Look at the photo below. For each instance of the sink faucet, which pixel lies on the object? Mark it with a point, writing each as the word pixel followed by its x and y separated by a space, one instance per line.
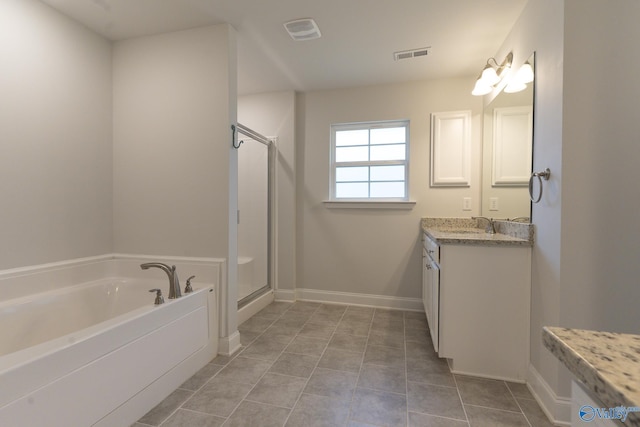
pixel 174 283
pixel 520 219
pixel 491 228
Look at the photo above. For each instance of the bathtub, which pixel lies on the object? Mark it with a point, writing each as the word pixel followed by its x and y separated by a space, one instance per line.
pixel 245 276
pixel 100 352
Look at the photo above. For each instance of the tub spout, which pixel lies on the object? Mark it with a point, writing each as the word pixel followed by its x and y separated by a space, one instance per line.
pixel 174 283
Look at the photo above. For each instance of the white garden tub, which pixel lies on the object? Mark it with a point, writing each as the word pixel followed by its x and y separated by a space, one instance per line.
pixel 99 353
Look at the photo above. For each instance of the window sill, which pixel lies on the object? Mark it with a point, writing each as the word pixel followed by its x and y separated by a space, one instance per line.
pixel 369 204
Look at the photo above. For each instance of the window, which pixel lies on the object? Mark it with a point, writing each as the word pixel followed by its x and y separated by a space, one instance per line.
pixel 370 161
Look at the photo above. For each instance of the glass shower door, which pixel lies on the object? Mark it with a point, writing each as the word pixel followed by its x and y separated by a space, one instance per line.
pixel 253 220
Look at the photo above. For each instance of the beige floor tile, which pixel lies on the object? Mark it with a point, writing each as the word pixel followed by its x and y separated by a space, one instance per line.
pixel 311 346
pixel 277 390
pixel 385 356
pixel 385 378
pixel 533 413
pixel 341 360
pixel 435 400
pixel 423 420
pixel 354 327
pixel 165 408
pixel 379 408
pixel 319 411
pixel 218 398
pixel 487 417
pixel 183 417
pixel 254 413
pixel 484 392
pixel 244 370
pixel 330 383
pixel 386 339
pixel 318 330
pixel 353 343
pixel 311 364
pixel 201 377
pixel 297 365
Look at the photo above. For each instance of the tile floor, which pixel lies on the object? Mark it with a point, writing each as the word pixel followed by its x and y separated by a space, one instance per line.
pixel 311 364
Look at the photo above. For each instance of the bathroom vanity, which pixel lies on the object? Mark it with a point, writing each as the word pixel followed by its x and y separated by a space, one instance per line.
pixel 476 292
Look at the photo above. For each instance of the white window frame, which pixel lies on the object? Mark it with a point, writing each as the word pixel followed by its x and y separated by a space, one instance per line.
pixel 373 201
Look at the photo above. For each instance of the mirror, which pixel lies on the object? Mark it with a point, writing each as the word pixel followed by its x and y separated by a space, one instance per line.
pixel 507 147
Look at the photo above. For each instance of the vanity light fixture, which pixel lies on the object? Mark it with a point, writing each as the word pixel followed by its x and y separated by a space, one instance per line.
pixel 491 75
pixel 519 81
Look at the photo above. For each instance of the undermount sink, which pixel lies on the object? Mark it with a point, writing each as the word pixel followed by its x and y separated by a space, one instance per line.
pixel 466 231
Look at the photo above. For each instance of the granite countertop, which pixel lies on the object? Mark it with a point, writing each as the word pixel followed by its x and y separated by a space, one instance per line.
pixel 465 231
pixel 607 363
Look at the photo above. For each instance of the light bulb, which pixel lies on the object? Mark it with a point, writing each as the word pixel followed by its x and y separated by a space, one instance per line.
pixel 481 88
pixel 515 86
pixel 489 75
pixel 525 73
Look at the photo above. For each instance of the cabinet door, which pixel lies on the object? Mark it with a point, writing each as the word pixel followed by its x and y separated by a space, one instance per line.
pixel 434 321
pixel 430 295
pixel 426 284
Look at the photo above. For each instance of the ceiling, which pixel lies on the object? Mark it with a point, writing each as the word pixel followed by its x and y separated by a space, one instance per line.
pixel 357 43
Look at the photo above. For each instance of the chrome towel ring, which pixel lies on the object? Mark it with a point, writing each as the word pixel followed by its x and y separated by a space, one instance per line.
pixel 544 174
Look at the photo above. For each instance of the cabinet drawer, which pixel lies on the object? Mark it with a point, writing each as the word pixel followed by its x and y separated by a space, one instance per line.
pixel 432 248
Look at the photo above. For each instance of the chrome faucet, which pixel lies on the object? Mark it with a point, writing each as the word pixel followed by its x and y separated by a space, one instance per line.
pixel 491 227
pixel 520 219
pixel 174 283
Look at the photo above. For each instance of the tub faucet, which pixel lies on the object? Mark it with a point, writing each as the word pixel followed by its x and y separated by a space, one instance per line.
pixel 491 227
pixel 174 283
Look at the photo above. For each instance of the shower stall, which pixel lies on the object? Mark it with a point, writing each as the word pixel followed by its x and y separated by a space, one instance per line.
pixel 255 194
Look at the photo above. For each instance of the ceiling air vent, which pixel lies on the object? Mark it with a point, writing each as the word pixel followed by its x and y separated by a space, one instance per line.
pixel 414 53
pixel 303 29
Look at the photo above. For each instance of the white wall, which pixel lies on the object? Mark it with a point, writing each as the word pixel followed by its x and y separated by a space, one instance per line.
pixel 55 137
pixel 585 264
pixel 374 251
pixel 601 167
pixel 175 173
pixel 540 29
pixel 172 143
pixel 273 115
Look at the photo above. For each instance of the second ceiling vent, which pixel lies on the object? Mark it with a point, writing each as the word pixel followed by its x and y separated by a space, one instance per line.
pixel 303 29
pixel 413 53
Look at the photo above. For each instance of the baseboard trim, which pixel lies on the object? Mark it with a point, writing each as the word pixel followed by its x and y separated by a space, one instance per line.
pixel 557 409
pixel 286 295
pixel 367 300
pixel 229 345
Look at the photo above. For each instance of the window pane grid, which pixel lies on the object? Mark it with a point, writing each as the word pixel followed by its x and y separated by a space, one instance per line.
pixel 370 190
pixel 370 161
pixel 374 173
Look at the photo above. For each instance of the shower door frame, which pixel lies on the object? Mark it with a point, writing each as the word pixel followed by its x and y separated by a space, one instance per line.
pixel 270 143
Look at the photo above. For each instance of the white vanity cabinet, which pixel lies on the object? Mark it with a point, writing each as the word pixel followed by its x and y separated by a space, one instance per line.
pixel 480 310
pixel 431 287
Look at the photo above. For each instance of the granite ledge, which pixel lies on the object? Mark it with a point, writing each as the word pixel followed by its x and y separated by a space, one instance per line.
pixel 461 231
pixel 607 363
